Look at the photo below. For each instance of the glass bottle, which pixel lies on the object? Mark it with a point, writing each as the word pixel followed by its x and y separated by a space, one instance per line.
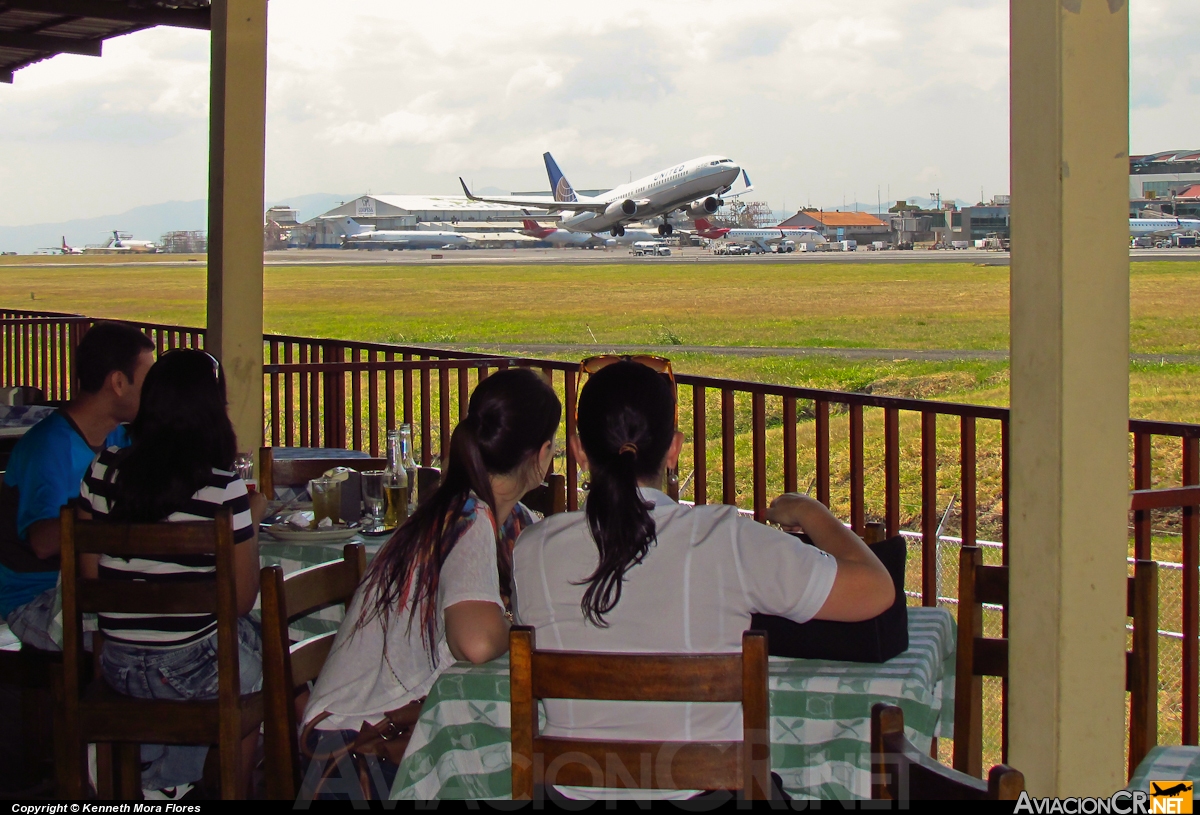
pixel 408 462
pixel 395 484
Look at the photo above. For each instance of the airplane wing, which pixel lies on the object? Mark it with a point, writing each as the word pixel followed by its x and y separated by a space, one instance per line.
pixel 583 205
pixel 749 187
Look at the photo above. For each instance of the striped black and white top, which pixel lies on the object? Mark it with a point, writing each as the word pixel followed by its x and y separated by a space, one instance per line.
pixel 224 489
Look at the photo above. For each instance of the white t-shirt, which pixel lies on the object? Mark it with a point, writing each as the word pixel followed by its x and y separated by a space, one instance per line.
pixel 357 683
pixel 693 593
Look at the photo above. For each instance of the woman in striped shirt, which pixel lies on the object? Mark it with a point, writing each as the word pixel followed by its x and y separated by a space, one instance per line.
pixel 178 468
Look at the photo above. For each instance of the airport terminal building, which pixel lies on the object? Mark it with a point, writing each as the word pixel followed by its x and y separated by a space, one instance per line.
pixel 442 212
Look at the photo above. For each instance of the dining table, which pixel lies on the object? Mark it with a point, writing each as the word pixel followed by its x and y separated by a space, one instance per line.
pixel 820 719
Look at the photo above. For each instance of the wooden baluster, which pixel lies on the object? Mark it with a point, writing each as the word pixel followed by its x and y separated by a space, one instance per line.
pixel 858 520
pixel 288 406
pixel 406 381
pixel 891 470
pixel 758 441
pixel 789 444
pixel 373 402
pixel 967 463
pixel 302 402
pixel 426 418
pixel 443 412
pixel 274 385
pixel 356 375
pixel 1142 535
pixel 1005 458
pixel 929 516
pixel 570 391
pixel 728 454
pixel 389 394
pixel 821 428
pixel 464 391
pixel 1191 594
pixel 699 445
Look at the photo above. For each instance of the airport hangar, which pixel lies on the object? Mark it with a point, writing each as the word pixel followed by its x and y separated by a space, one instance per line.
pixel 437 212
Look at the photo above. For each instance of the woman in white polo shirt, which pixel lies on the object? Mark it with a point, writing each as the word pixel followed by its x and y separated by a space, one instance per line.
pixel 636 572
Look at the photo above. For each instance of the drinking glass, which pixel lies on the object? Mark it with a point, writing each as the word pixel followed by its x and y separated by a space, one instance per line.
pixel 327 499
pixel 243 465
pixel 372 485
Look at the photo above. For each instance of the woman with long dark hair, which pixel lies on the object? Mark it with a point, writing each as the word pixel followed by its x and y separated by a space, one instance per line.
pixel 637 572
pixel 438 590
pixel 179 467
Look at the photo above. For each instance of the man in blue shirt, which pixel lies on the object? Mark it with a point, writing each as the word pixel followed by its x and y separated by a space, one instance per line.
pixel 48 464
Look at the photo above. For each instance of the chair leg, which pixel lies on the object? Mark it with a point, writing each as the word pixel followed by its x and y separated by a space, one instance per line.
pixel 70 751
pixel 129 771
pixel 104 772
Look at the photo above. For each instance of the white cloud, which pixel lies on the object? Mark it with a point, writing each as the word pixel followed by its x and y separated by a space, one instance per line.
pixel 820 100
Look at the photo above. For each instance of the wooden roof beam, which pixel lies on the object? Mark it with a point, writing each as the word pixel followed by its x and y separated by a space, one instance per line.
pixel 120 12
pixel 43 42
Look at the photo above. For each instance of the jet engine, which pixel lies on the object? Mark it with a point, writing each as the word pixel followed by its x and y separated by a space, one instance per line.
pixel 704 207
pixel 626 208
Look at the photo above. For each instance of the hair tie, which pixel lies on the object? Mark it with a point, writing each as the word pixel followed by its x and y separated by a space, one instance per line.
pixel 628 447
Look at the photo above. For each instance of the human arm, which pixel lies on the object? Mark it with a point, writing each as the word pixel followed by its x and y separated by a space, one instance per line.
pixel 862 588
pixel 44 538
pixel 246 566
pixel 476 630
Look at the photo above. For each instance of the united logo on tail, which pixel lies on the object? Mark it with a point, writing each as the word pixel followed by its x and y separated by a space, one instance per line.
pixel 558 182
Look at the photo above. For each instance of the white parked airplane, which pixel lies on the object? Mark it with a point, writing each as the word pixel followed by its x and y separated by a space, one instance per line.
pixel 762 238
pixel 358 236
pixel 1162 226
pixel 119 244
pixel 694 187
pixel 565 237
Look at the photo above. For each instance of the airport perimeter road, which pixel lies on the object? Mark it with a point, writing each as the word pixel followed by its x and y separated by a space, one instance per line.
pixel 891 354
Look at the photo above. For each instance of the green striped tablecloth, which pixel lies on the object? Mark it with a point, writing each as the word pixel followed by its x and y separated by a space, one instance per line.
pixel 820 720
pixel 1166 762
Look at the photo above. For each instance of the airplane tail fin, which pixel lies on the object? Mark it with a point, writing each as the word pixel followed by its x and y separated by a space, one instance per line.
pixel 65 248
pixel 703 224
pixel 353 227
pixel 558 182
pixel 529 224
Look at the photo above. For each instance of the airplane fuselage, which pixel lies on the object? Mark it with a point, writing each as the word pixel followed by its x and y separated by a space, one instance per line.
pixel 1162 226
pixel 658 194
pixel 404 239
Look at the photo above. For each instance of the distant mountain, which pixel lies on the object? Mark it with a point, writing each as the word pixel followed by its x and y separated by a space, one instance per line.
pixel 148 223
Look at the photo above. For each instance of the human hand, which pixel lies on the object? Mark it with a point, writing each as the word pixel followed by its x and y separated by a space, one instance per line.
pixel 258 506
pixel 788 511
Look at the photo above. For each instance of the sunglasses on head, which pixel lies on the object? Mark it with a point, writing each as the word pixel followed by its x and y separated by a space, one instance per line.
pixel 216 366
pixel 660 365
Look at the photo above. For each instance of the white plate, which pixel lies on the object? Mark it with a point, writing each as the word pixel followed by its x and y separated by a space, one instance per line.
pixel 286 532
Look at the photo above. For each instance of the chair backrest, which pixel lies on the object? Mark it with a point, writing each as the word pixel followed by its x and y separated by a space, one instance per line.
pixel 731 765
pixel 901 772
pixel 294 472
pixel 288 665
pixel 207 593
pixel 979 656
pixel 549 497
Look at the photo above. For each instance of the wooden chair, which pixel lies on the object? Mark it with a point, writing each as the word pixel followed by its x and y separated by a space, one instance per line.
pixel 731 765
pixel 295 472
pixel 548 498
pixel 901 772
pixel 287 665
pixel 980 656
pixel 94 712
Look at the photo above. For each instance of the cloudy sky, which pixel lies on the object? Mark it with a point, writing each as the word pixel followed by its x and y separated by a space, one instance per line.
pixel 822 100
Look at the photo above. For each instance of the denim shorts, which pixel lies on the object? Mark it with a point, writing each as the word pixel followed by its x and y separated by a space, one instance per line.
pixel 188 673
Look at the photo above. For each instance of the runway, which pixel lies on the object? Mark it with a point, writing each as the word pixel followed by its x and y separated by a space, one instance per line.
pixel 571 257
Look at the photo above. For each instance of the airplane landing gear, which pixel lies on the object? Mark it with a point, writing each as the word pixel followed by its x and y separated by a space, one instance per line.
pixel 618 231
pixel 665 230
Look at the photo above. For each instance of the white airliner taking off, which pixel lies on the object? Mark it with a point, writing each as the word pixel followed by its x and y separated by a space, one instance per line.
pixel 694 187
pixel 1162 226
pixel 119 244
pixel 357 236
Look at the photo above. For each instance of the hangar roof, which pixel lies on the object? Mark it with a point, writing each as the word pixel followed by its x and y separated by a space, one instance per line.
pixel 34 30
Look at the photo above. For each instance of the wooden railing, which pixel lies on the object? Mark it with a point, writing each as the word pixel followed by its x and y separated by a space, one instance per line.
pixel 744 443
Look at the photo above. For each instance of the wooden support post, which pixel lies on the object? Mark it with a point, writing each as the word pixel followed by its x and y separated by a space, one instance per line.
pixel 237 121
pixel 1070 393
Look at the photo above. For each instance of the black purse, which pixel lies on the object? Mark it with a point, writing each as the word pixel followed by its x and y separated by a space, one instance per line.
pixel 875 640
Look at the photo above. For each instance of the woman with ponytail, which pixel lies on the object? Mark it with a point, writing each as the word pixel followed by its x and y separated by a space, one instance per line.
pixel 637 572
pixel 438 590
